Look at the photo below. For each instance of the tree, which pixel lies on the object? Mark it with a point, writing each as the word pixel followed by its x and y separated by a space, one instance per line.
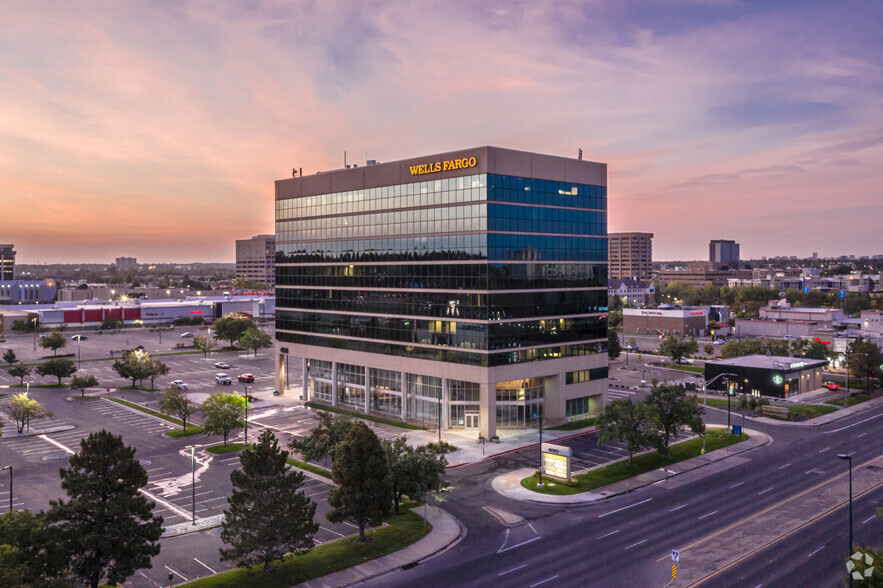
pixel 23 408
pixel 614 349
pixel 363 494
pixel 82 382
pixel 137 365
pixel 231 328
pixel 221 413
pixel 60 368
pixel 413 473
pixel 109 324
pixel 19 371
pixel 255 339
pixel 324 438
pixel 740 348
pixel 865 361
pixel 677 348
pixel 630 423
pixel 9 357
pixel 54 341
pixel 708 349
pixel 108 526
pixel 30 555
pixel 154 368
pixel 811 349
pixel 203 343
pixel 268 514
pixel 175 402
pixel 674 411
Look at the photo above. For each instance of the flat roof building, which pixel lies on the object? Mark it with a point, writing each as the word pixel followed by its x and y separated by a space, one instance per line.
pixel 763 375
pixel 469 285
pixel 256 259
pixel 630 256
pixel 723 254
pixel 7 262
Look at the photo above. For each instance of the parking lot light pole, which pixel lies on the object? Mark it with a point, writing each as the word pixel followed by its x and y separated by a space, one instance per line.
pixel 193 480
pixel 848 457
pixel 9 467
pixel 34 320
pixel 246 416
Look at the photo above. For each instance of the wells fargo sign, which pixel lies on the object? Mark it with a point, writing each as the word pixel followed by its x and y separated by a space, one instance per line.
pixel 439 166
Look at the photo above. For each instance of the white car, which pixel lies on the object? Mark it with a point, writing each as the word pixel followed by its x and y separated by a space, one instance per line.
pixel 223 379
pixel 718 341
pixel 222 365
pixel 186 335
pixel 180 384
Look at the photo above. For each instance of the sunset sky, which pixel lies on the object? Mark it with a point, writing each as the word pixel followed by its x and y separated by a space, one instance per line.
pixel 156 129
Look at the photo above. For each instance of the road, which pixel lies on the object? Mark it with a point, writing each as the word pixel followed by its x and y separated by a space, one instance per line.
pixel 625 541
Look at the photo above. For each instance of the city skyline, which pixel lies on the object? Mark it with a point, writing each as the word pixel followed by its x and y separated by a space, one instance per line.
pixel 157 130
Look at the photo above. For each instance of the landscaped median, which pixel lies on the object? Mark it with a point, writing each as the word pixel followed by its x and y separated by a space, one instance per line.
pixel 398 532
pixel 363 416
pixel 191 429
pixel 641 464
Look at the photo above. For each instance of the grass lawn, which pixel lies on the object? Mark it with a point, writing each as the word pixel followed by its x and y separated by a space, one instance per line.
pixel 188 432
pixel 309 467
pixel 401 531
pixel 696 369
pixel 853 399
pixel 141 388
pixel 84 398
pixel 716 401
pixel 621 470
pixel 367 417
pixel 160 415
pixel 229 448
pixel 811 410
pixel 574 425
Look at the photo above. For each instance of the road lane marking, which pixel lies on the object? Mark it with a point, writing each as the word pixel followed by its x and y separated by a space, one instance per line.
pixel 205 566
pixel 764 491
pixel 736 485
pixel 532 529
pixel 544 581
pixel 176 573
pixel 869 519
pixel 519 545
pixel 816 551
pixel 707 515
pixel 824 450
pixel 623 508
pixel 854 424
pixel 810 471
pixel 617 531
pixel 678 507
pixel 862 435
pixel 512 570
pixel 784 466
pixel 636 544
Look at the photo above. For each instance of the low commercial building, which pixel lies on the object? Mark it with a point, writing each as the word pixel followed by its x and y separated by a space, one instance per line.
pixel 779 319
pixel 762 375
pixel 27 291
pixel 691 321
pixel 632 292
pixel 699 273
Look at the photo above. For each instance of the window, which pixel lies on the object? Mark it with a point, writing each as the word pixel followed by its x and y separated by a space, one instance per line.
pixel 576 406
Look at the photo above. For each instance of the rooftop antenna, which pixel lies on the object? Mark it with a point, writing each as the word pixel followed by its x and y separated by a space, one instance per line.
pixel 294 172
pixel 580 154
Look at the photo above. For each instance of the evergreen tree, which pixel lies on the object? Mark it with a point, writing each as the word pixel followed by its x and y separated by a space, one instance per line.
pixel 324 438
pixel 108 526
pixel 363 494
pixel 9 357
pixel 268 515
pixel 30 555
pixel 614 349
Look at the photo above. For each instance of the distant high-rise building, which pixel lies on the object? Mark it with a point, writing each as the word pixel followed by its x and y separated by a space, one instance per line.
pixel 723 254
pixel 256 259
pixel 630 256
pixel 125 262
pixel 7 262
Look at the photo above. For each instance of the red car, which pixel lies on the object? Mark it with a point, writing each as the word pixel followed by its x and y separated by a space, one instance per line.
pixel 247 378
pixel 832 386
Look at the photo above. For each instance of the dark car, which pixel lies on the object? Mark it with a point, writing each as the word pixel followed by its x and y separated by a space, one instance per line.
pixel 79 338
pixel 247 378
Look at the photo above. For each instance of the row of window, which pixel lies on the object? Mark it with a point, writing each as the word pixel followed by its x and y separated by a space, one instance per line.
pixel 492 336
pixel 600 373
pixel 459 276
pixel 448 355
pixel 493 246
pixel 472 188
pixel 449 305
pixel 576 406
pixel 520 390
pixel 446 219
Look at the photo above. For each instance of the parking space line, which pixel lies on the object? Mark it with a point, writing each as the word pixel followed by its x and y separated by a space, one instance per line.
pixel 176 573
pixel 205 566
pixel 332 531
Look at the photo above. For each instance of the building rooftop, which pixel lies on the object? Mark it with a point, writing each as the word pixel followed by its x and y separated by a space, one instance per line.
pixel 772 362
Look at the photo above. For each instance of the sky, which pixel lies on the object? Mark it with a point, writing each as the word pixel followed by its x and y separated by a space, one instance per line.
pixel 156 129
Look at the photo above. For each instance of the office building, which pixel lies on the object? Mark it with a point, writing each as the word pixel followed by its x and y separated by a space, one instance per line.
pixel 256 259
pixel 7 262
pixel 630 256
pixel 723 255
pixel 125 262
pixel 467 288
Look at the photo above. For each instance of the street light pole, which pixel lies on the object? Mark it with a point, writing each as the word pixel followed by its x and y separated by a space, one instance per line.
pixel 193 480
pixel 246 416
pixel 9 467
pixel 541 446
pixel 34 320
pixel 849 458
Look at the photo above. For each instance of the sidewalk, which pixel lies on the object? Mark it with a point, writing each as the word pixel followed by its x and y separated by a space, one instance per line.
pixel 446 531
pixel 819 420
pixel 509 484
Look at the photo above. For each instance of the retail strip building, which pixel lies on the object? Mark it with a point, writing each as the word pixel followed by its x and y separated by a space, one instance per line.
pixel 469 287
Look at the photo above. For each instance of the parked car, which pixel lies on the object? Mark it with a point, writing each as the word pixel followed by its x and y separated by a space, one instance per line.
pixel 44 335
pixel 186 335
pixel 180 384
pixel 223 379
pixel 832 386
pixel 79 338
pixel 222 365
pixel 247 378
pixel 719 341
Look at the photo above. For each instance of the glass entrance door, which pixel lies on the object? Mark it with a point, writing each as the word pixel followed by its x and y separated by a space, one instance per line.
pixel 472 420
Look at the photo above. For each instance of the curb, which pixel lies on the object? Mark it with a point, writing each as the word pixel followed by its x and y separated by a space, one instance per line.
pixel 493 455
